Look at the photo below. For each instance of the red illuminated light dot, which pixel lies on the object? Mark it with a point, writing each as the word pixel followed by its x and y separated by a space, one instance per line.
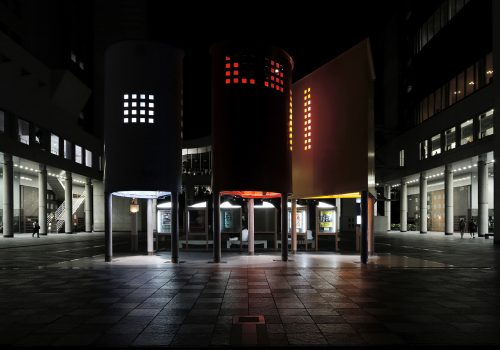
pixel 281 89
pixel 228 73
pixel 281 74
pixel 272 63
pixel 277 87
pixel 235 80
pixel 272 78
pixel 277 65
pixel 235 72
pixel 228 58
pixel 236 65
pixel 228 65
pixel 272 86
pixel 243 80
pixel 228 81
pixel 266 84
pixel 252 81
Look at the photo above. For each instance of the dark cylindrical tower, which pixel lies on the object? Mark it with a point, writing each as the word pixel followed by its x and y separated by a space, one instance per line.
pixel 250 118
pixel 251 86
pixel 142 129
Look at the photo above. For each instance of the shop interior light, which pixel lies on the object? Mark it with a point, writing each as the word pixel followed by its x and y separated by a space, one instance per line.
pixel 134 207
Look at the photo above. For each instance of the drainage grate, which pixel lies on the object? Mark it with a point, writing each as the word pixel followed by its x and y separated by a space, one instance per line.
pixel 259 319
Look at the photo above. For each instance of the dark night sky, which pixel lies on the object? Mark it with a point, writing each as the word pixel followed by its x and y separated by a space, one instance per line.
pixel 310 33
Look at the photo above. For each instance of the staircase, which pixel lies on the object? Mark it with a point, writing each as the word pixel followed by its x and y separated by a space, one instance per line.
pixel 57 218
pixel 57 186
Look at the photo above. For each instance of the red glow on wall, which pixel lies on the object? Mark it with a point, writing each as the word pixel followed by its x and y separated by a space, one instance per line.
pixel 251 194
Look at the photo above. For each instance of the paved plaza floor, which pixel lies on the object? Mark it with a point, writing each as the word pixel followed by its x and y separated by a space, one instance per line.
pixel 417 290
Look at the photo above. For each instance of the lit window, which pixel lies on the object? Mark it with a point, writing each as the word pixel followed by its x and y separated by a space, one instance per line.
pixel 252 81
pixel 125 104
pixel 402 158
pixel 143 97
pixel 88 158
pixel 134 112
pixel 486 124
pixel 142 120
pixel 125 120
pixel 151 97
pixel 78 154
pixel 307 119
pixel 243 80
pixel 134 120
pixel 151 120
pixel 23 131
pixel 228 81
pixel 134 103
pixel 466 132
pixel 450 140
pixel 125 97
pixel 142 112
pixel 143 104
pixel 436 145
pixel 125 112
pixel 54 144
pixel 134 96
pixel 67 149
pixel 151 113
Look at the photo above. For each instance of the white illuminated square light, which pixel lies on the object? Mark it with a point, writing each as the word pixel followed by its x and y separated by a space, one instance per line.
pixel 151 105
pixel 151 113
pixel 125 112
pixel 125 120
pixel 134 112
pixel 125 96
pixel 134 104
pixel 142 112
pixel 125 104
pixel 134 120
pixel 134 96
pixel 143 97
pixel 151 120
pixel 143 104
pixel 142 120
pixel 151 97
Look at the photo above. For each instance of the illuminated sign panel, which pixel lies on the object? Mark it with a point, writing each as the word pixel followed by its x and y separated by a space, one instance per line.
pixel 138 108
pixel 307 119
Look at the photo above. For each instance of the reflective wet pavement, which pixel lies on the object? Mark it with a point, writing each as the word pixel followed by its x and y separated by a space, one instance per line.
pixel 420 290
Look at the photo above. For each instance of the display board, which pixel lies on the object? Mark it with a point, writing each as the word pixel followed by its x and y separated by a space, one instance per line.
pixel 230 219
pixel 164 221
pixel 326 220
pixel 197 219
pixel 265 220
pixel 300 220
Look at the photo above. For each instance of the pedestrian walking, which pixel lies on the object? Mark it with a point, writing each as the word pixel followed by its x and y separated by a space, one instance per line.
pixel 36 229
pixel 461 225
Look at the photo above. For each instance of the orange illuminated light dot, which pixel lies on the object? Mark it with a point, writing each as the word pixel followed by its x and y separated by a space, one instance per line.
pixel 252 81
pixel 272 78
pixel 309 147
pixel 235 80
pixel 272 86
pixel 228 81
pixel 235 72
pixel 305 148
pixel 243 80
pixel 236 65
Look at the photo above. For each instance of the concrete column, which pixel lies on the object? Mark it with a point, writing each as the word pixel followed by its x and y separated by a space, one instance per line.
pixel 150 226
pixel 88 205
pixel 134 237
pixel 216 221
pixel 42 198
pixel 293 230
pixel 155 211
pixel 251 227
pixel 423 202
pixel 68 203
pixel 284 227
pixel 448 199
pixel 482 195
pixel 403 206
pixel 175 228
pixel 495 14
pixel 387 205
pixel 108 227
pixel 364 227
pixel 8 196
pixel 375 208
pixel 98 205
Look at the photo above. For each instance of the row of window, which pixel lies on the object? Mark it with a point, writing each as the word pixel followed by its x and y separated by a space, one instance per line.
pixel 448 140
pixel 468 81
pixel 440 17
pixel 31 134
